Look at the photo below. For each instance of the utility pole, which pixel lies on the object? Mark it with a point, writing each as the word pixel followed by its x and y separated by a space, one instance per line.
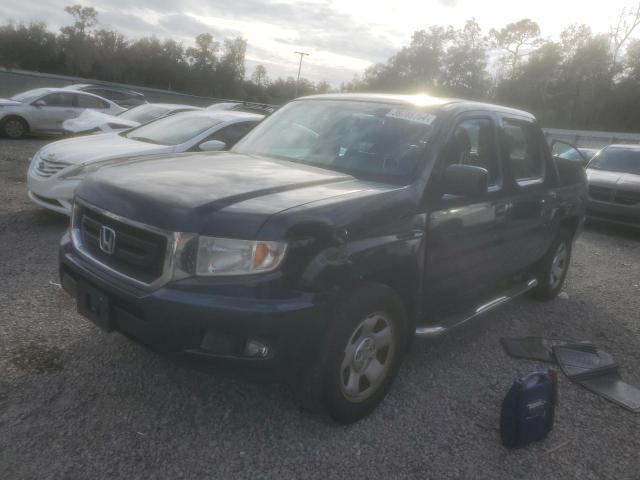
pixel 302 54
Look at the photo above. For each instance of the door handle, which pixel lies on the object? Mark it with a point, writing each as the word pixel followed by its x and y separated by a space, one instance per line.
pixel 502 209
pixel 70 110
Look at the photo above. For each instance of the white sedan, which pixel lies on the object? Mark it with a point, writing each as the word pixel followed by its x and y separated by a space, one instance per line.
pixel 43 110
pixel 57 168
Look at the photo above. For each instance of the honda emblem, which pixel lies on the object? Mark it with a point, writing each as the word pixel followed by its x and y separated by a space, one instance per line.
pixel 107 239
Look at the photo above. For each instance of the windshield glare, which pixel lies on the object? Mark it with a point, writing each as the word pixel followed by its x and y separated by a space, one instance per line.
pixel 144 113
pixel 375 140
pixel 625 160
pixel 29 95
pixel 172 130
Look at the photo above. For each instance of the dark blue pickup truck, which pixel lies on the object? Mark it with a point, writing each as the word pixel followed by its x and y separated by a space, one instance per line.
pixel 325 241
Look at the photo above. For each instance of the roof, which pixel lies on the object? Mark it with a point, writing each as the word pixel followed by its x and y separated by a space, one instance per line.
pixel 627 146
pixel 225 115
pixel 417 101
pixel 80 86
pixel 170 106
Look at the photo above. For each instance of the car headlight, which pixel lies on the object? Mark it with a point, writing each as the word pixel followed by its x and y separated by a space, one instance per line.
pixel 226 256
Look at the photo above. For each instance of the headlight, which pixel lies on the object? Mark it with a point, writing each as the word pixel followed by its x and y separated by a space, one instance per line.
pixel 225 256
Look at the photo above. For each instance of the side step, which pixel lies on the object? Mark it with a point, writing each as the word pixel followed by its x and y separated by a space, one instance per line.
pixel 431 331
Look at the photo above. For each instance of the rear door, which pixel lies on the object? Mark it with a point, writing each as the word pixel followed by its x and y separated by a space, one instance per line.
pixel 530 194
pixel 83 102
pixel 465 238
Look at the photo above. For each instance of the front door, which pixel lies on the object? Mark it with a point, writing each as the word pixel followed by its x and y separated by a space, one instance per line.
pixel 50 111
pixel 465 237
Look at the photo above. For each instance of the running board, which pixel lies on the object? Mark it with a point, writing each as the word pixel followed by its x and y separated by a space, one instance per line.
pixel 431 331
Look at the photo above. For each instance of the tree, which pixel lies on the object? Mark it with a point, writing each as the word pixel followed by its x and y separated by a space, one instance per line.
pixel 84 18
pixel 517 40
pixel 464 67
pixel 259 76
pixel 205 54
pixel 628 21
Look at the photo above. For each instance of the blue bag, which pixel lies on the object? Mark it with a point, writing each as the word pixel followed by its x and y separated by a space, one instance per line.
pixel 528 409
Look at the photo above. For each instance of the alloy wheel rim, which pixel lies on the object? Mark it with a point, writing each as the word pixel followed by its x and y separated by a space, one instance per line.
pixel 558 265
pixel 367 357
pixel 14 128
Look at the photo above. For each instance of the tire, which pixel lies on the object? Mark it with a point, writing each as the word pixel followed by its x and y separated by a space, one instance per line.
pixel 554 267
pixel 361 355
pixel 14 127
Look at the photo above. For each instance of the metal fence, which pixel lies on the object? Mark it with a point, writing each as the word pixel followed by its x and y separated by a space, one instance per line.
pixel 16 81
pixel 590 139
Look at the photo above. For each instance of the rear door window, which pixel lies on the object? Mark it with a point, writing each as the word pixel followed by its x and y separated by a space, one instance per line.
pixel 59 99
pixel 87 101
pixel 522 151
pixel 233 133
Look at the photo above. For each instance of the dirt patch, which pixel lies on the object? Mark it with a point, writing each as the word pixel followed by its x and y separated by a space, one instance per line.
pixel 37 358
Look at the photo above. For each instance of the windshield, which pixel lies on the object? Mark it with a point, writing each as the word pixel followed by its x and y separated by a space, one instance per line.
pixel 172 130
pixel 144 113
pixel 626 160
pixel 374 140
pixel 29 95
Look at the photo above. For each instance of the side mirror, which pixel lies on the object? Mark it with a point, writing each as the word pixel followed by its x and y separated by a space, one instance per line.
pixel 466 180
pixel 39 103
pixel 212 146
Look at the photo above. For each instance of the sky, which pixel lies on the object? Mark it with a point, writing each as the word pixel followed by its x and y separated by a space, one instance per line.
pixel 342 37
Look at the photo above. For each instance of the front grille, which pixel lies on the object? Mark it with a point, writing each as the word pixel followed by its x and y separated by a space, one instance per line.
pixel 138 253
pixel 602 194
pixel 47 168
pixel 610 195
pixel 627 197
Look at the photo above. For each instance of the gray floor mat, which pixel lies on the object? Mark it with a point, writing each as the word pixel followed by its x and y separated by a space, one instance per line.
pixel 597 371
pixel 534 348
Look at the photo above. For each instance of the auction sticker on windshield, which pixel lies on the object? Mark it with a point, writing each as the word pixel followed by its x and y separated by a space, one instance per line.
pixel 411 115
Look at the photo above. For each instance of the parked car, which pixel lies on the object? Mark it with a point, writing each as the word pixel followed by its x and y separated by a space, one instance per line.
pixel 614 185
pixel 250 107
pixel 332 235
pixel 57 168
pixel 568 151
pixel 91 121
pixel 588 153
pixel 43 110
pixel 125 97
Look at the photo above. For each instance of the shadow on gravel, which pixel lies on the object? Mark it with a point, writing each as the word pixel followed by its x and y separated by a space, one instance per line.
pixel 32 219
pixel 621 231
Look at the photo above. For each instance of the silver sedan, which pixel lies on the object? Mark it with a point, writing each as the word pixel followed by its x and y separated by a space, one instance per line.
pixel 43 110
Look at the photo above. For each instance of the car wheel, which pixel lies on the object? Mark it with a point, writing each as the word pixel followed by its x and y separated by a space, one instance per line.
pixel 14 127
pixel 554 267
pixel 362 353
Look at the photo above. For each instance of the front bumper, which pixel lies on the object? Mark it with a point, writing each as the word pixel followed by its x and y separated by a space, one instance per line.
pixel 183 318
pixel 52 193
pixel 614 213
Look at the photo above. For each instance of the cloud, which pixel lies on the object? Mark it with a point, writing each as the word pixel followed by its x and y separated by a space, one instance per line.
pixel 272 28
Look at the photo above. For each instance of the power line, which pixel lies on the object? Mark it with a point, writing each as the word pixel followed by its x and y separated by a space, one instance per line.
pixel 302 54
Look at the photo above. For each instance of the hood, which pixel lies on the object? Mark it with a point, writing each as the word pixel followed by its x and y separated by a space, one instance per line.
pixel 97 148
pixel 90 120
pixel 607 178
pixel 224 194
pixel 5 102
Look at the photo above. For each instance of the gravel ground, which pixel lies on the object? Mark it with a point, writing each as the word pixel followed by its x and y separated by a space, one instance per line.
pixel 77 403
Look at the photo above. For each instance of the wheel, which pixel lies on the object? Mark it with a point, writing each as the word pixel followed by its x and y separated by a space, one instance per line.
pixel 361 356
pixel 554 267
pixel 14 127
